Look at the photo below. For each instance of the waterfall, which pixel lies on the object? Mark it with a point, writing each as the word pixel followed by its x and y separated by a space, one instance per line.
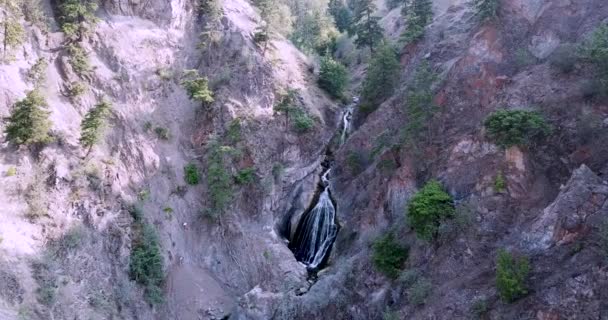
pixel 346 120
pixel 316 230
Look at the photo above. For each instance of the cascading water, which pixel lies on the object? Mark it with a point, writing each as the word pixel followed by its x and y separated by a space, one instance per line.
pixel 316 230
pixel 346 120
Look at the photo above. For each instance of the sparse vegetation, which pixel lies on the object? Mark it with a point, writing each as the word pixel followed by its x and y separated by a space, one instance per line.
pixel 245 176
pixel 146 263
pixel 75 89
pixel 356 162
pixel 79 60
pixel 29 121
pixel 479 308
pixel 44 274
pixel 516 127
pixel 389 255
pixel 595 51
pixel 233 134
pixel 380 79
pixel 419 291
pixel 511 276
pixel 332 77
pixel 191 174
pixel 91 127
pixel 427 208
pixel 37 73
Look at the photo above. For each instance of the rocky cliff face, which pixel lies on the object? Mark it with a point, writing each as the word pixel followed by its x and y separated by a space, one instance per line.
pixel 67 226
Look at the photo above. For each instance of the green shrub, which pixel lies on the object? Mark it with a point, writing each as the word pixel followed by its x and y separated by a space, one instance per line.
pixel 419 291
pixel 564 58
pixel 162 133
pixel 487 9
pixel 516 127
pixel 500 184
pixel 29 121
pixel 79 59
pixel 261 36
pixel 277 170
pixel 12 171
pixel 37 73
pixel 233 134
pixel 511 276
pixel 91 127
pixel 389 255
pixel 191 175
pixel 427 208
pixel 76 89
pixel 302 122
pixel 146 263
pixel 245 176
pixel 332 77
pixel 198 88
pixel 356 161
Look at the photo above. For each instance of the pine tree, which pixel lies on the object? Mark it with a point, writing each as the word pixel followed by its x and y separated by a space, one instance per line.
pixel 92 125
pixel 419 13
pixel 29 121
pixel 341 14
pixel 368 30
pixel 73 15
pixel 381 78
pixel 420 107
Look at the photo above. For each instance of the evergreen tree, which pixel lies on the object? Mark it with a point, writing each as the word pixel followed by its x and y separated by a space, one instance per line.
pixel 73 15
pixel 381 78
pixel 369 32
pixel 92 125
pixel 332 77
pixel 392 4
pixel 418 13
pixel 420 107
pixel 29 121
pixel 341 14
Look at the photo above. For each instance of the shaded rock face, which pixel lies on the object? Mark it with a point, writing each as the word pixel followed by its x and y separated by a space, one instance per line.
pixel 581 206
